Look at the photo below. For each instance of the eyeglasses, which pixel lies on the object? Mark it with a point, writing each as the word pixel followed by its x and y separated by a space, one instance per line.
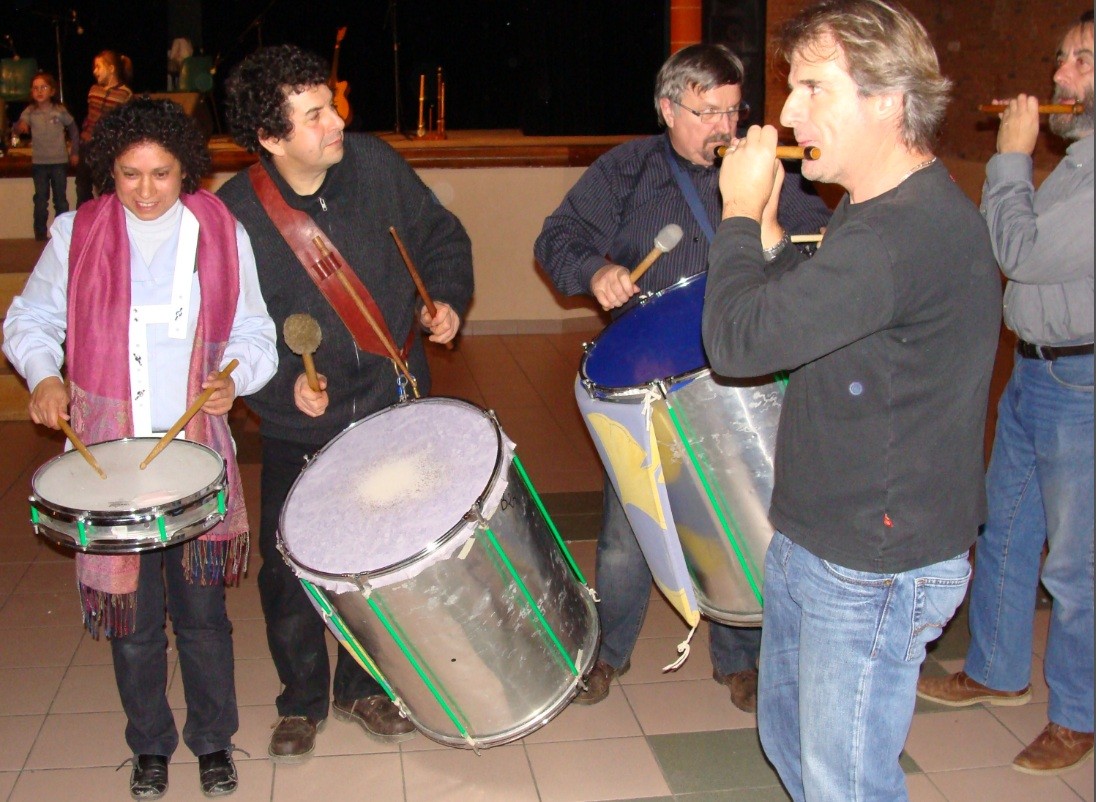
pixel 741 112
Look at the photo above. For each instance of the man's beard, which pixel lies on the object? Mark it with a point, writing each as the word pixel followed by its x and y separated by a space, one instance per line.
pixel 1073 126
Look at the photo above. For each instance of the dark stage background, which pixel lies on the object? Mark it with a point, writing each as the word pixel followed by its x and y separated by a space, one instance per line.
pixel 548 67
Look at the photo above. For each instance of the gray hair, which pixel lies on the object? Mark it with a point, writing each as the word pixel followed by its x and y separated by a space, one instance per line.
pixel 885 49
pixel 699 67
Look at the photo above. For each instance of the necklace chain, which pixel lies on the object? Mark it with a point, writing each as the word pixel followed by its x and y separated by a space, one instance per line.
pixel 920 166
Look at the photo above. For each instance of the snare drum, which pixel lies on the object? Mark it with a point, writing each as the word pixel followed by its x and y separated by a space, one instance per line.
pixel 180 495
pixel 707 446
pixel 421 541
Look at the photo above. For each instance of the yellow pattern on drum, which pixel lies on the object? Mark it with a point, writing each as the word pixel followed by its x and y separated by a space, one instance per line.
pixel 680 601
pixel 636 471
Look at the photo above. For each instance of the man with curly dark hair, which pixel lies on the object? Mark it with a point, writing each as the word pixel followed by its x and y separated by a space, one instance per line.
pixel 144 294
pixel 349 189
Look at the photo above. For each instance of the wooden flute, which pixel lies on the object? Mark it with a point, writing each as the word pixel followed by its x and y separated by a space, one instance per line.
pixel 783 152
pixel 1047 108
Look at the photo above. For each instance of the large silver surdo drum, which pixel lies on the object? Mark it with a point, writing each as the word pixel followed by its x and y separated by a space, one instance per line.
pixel 424 545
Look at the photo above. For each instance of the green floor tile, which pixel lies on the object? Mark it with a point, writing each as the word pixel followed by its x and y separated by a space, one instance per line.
pixel 713 761
pixel 769 794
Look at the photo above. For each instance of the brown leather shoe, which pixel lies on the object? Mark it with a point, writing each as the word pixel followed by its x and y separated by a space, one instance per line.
pixel 598 681
pixel 959 690
pixel 293 739
pixel 378 716
pixel 743 685
pixel 1056 751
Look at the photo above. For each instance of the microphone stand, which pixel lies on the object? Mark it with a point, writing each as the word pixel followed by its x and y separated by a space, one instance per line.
pixel 60 71
pixel 392 9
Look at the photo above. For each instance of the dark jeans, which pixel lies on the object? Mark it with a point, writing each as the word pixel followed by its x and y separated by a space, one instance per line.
pixel 294 630
pixel 85 188
pixel 48 177
pixel 203 636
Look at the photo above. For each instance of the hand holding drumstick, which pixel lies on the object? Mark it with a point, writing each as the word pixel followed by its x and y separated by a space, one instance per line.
pixel 440 319
pixel 48 406
pixel 215 399
pixel 302 334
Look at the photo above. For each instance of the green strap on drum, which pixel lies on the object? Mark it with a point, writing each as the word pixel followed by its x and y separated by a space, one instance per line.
pixel 355 648
pixel 416 664
pixel 730 527
pixel 221 502
pixel 82 533
pixel 529 599
pixel 163 529
pixel 34 515
pixel 547 519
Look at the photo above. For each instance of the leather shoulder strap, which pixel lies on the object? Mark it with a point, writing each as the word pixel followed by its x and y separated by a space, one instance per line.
pixel 324 266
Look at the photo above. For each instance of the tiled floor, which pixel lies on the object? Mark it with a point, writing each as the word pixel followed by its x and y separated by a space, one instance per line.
pixel 657 737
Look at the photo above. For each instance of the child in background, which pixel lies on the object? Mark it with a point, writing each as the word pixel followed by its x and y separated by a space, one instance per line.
pixel 46 121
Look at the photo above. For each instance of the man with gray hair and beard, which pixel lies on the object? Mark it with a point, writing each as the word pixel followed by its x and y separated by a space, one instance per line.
pixel 1040 476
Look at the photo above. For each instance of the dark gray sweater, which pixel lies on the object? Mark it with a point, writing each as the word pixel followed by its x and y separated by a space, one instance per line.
pixel 371 189
pixel 889 332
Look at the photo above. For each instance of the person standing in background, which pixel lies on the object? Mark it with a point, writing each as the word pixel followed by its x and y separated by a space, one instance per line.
pixel 112 72
pixel 47 121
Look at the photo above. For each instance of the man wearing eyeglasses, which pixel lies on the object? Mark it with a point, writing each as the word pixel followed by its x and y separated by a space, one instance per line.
pixel 618 207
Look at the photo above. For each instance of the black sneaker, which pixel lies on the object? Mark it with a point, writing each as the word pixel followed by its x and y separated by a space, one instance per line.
pixel 217 773
pixel 148 780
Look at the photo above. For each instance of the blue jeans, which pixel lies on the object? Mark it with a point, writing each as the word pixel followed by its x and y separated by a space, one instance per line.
pixel 295 632
pixel 203 636
pixel 1039 487
pixel 840 654
pixel 47 178
pixel 624 585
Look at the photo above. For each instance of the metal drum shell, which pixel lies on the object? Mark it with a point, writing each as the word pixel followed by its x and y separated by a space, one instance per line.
pixel 462 621
pixel 133 529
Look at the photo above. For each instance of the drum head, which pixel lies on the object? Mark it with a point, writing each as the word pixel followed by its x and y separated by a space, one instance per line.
pixel 658 339
pixel 390 487
pixel 182 470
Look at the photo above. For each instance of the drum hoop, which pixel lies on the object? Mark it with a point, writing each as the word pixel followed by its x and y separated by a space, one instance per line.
pixel 130 545
pixel 637 391
pixel 130 515
pixel 356 577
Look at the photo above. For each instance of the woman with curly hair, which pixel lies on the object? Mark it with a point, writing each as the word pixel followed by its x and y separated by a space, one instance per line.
pixel 144 294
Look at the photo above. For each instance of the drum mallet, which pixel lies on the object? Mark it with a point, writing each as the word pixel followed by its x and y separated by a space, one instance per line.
pixel 78 444
pixel 302 334
pixel 191 411
pixel 666 241
pixel 428 302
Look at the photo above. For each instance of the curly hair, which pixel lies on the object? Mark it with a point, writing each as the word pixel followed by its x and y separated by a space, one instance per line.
pixel 258 88
pixel 144 120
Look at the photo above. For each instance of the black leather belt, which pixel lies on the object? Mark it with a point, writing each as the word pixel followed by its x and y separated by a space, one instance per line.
pixel 1051 352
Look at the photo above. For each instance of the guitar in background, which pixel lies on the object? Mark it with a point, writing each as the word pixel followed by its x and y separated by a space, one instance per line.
pixel 339 89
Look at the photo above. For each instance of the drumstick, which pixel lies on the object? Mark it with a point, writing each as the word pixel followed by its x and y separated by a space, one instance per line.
pixel 810 153
pixel 665 241
pixel 78 444
pixel 1047 108
pixel 415 277
pixel 191 411
pixel 388 346
pixel 804 238
pixel 302 334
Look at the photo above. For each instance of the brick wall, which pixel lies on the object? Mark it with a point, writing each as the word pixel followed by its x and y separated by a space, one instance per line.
pixel 989 48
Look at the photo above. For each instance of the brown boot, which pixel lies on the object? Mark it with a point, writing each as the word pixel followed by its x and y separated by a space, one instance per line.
pixel 378 716
pixel 959 690
pixel 743 685
pixel 598 681
pixel 293 739
pixel 1056 751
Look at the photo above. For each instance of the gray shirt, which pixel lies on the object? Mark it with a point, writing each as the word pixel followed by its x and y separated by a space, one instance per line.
pixel 47 132
pixel 1044 243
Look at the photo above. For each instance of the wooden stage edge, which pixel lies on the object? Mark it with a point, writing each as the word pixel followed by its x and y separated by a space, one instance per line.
pixel 460 149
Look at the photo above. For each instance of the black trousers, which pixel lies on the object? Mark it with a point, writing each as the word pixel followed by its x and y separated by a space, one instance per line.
pixel 294 630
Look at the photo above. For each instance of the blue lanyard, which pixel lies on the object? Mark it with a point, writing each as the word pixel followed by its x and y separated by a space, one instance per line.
pixel 688 189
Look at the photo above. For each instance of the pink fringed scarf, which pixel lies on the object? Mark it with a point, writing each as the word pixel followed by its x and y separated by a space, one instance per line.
pixel 97 355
